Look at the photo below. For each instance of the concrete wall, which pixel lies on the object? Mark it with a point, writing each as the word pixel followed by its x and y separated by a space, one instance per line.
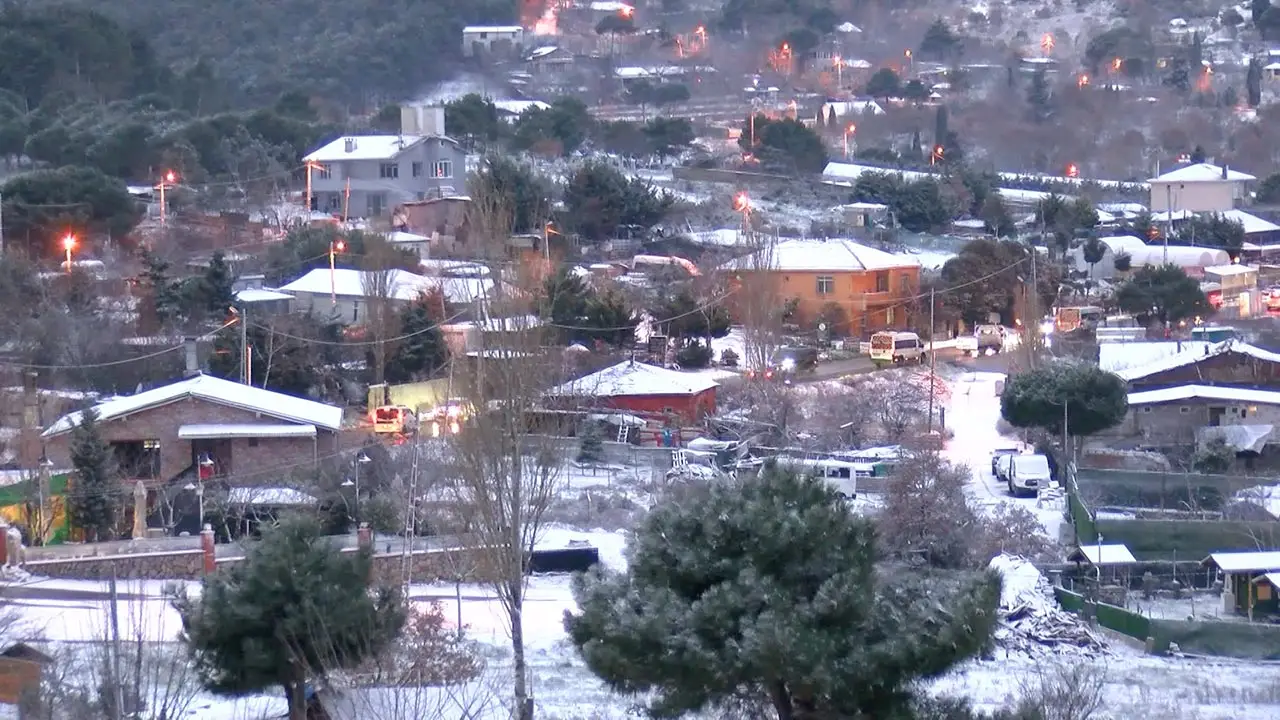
pixel 1178 421
pixel 253 462
pixel 179 565
pixel 1214 196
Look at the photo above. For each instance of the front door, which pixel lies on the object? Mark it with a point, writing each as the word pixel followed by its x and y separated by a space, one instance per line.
pixel 1215 416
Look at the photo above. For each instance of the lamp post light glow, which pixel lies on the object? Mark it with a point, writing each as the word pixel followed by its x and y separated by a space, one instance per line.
pixel 847 132
pixel 335 247
pixel 68 244
pixel 169 178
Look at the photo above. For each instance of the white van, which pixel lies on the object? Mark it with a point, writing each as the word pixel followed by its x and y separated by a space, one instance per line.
pixel 841 475
pixel 1028 474
pixel 896 347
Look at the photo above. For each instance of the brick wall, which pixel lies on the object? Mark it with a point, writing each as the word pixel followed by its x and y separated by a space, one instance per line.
pixel 258 464
pixel 179 565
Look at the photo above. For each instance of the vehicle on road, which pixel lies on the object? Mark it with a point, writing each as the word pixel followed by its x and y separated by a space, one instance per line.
pixel 985 340
pixel 395 420
pixel 1070 319
pixel 840 475
pixel 1000 466
pixel 1001 451
pixel 898 348
pixel 789 362
pixel 1028 474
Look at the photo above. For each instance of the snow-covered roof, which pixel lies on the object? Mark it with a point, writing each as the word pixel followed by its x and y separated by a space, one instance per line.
pixel 1229 270
pixel 1252 224
pixel 273 496
pixel 257 295
pixel 399 236
pixel 453 268
pixel 363 147
pixel 631 378
pixel 826 255
pixel 1202 172
pixel 1184 256
pixel 1117 356
pixel 610 6
pixel 404 285
pixel 220 431
pixel 851 171
pixel 1195 354
pixel 517 107
pixel 540 52
pixel 1122 243
pixel 1109 554
pixel 1241 438
pixel 214 390
pixel 1205 392
pixel 848 27
pixel 475 29
pixel 1245 561
pixel 852 107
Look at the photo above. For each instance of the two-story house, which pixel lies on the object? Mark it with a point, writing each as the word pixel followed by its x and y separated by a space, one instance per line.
pixel 365 176
pixel 872 288
pixel 1199 187
pixel 486 40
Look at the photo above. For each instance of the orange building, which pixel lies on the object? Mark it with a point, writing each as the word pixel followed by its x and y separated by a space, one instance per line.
pixel 873 289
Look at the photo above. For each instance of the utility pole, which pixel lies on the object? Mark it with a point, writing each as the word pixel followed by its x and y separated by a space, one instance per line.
pixel 2 247
pixel 244 344
pixel 933 358
pixel 116 682
pixel 346 201
pixel 1168 225
pixel 1033 311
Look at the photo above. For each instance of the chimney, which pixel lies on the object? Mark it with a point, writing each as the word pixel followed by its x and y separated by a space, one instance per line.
pixel 349 145
pixel 29 433
pixel 1224 171
pixel 193 358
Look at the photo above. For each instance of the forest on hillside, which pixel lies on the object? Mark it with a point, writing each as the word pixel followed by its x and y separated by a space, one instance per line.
pixel 360 54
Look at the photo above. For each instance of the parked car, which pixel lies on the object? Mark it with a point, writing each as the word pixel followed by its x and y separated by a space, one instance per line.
pixel 1002 451
pixel 897 347
pixel 1028 473
pixel 985 340
pixel 1000 466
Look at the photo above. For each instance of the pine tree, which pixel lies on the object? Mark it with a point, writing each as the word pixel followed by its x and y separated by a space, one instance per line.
pixel 1039 97
pixel 423 349
pixel 770 584
pixel 940 130
pixel 165 300
pixel 93 500
pixel 1253 84
pixel 590 444
pixel 216 286
pixel 294 610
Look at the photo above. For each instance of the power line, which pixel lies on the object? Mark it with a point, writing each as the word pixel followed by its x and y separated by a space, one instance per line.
pixel 113 363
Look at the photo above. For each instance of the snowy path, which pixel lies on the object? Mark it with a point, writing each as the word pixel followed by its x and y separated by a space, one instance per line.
pixel 972 415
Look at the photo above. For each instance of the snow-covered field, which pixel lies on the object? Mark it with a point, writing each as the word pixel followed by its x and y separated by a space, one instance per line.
pixel 1136 685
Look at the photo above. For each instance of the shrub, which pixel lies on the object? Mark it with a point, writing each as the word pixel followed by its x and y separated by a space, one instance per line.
pixel 694 356
pixel 729 358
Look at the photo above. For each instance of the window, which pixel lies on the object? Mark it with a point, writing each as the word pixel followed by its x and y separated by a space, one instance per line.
pixel 388 171
pixel 888 313
pixel 484 36
pixel 904 282
pixel 417 170
pixel 443 169
pixel 882 282
pixel 1146 409
pixel 324 172
pixel 138 459
pixel 333 202
pixel 826 284
pixel 377 201
pixel 355 311
pixel 253 442
pixel 1184 409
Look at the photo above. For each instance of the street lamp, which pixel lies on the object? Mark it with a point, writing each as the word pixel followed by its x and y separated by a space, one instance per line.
pixel 847 132
pixel 335 246
pixel 935 157
pixel 361 459
pixel 205 468
pixel 68 244
pixel 169 178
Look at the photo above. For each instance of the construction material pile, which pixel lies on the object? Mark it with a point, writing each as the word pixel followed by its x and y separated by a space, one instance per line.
pixel 1031 620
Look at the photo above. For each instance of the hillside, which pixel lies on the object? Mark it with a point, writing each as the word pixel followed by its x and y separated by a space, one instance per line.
pixel 358 53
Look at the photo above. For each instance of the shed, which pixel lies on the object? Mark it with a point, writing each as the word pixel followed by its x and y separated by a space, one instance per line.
pixel 1241 571
pixel 641 388
pixel 21 668
pixel 1102 555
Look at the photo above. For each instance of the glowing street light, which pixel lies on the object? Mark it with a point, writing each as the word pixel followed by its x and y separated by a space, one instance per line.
pixel 1046 44
pixel 1073 171
pixel 935 157
pixel 169 178
pixel 68 244
pixel 742 204
pixel 335 247
pixel 1117 64
pixel 847 132
pixel 627 11
pixel 1082 81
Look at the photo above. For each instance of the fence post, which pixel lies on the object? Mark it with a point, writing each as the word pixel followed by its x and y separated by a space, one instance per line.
pixel 208 552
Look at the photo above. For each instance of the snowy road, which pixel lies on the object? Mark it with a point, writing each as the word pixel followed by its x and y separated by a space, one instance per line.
pixel 972 415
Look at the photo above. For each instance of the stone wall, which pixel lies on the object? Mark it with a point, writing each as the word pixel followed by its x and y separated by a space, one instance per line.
pixel 178 565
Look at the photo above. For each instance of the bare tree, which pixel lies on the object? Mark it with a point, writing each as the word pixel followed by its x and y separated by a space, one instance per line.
pixel 504 480
pixel 1063 691
pixel 758 302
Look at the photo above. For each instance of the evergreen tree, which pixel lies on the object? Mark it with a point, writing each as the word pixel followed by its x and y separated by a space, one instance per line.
pixel 610 318
pixel 831 116
pixel 1197 154
pixel 590 444
pixel 917 151
pixel 564 302
pixel 1253 83
pixel 216 286
pixel 940 129
pixel 768 588
pixel 1039 97
pixel 996 218
pixel 423 349
pixel 166 301
pixel 294 610
pixel 94 497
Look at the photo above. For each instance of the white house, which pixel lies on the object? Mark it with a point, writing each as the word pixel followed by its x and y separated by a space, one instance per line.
pixel 345 294
pixel 488 39
pixel 1200 187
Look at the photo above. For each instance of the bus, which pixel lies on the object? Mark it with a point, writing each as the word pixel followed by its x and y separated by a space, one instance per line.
pixel 896 347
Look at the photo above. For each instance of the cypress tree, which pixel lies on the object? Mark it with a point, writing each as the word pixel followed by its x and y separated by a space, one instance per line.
pixel 95 493
pixel 590 444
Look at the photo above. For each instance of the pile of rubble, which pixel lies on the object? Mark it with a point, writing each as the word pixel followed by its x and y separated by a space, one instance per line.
pixel 1031 621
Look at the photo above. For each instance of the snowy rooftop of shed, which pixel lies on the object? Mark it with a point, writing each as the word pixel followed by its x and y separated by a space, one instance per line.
pixel 257 295
pixel 1194 355
pixel 1205 392
pixel 404 285
pixel 1109 554
pixel 631 378
pixel 1117 356
pixel 1252 224
pixel 1260 561
pixel 215 390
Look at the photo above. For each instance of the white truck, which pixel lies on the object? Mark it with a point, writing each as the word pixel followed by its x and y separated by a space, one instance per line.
pixel 985 340
pixel 1025 474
